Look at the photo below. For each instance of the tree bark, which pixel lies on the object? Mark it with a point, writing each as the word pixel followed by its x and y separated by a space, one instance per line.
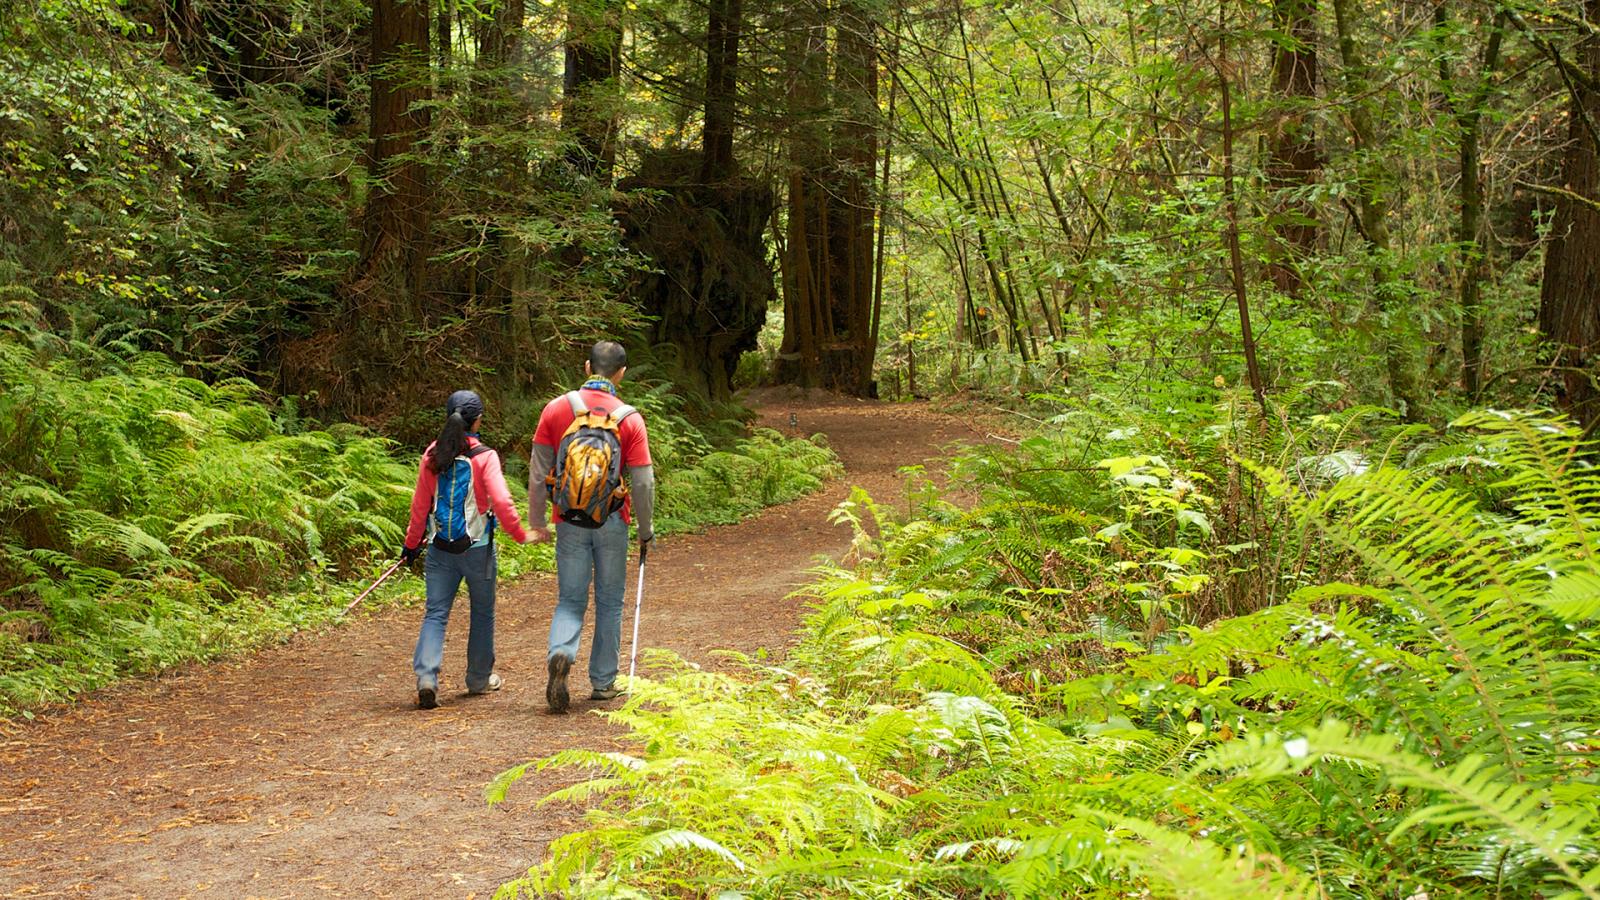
pixel 829 328
pixel 722 65
pixel 1569 300
pixel 1293 159
pixel 593 66
pixel 445 18
pixel 805 327
pixel 704 235
pixel 1231 233
pixel 1468 112
pixel 399 208
pixel 499 35
pixel 851 210
pixel 492 278
pixel 883 208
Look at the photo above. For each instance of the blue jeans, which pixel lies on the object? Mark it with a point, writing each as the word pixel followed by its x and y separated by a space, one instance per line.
pixel 583 554
pixel 443 573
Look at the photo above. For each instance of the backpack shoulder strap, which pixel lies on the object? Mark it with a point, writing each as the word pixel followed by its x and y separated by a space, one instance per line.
pixel 622 412
pixel 575 400
pixel 478 451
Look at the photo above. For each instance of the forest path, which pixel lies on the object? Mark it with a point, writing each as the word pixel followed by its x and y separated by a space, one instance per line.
pixel 305 770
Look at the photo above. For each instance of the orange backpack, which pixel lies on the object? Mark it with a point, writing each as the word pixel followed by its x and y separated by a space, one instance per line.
pixel 586 484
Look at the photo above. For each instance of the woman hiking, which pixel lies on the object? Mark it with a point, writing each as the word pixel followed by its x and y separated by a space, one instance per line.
pixel 460 496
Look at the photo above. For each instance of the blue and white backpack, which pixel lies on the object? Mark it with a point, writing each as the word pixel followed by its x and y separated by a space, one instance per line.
pixel 457 522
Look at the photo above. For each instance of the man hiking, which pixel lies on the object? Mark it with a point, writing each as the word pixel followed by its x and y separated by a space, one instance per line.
pixel 586 442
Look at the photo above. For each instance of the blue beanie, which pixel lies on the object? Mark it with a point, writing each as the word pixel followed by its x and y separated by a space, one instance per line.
pixel 468 404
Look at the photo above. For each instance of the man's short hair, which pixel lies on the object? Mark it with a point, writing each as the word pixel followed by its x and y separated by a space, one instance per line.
pixel 606 358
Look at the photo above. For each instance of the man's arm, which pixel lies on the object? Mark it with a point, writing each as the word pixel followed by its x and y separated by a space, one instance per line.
pixel 641 474
pixel 539 465
pixel 642 487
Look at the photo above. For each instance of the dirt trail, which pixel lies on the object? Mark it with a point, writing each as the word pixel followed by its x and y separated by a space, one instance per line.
pixel 305 770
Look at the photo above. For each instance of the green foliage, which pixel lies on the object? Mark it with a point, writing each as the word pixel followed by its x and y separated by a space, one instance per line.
pixel 978 708
pixel 103 160
pixel 148 518
pixel 191 181
pixel 141 505
pixel 726 486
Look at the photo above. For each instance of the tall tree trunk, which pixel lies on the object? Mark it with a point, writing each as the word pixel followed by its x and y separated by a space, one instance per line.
pixel 497 32
pixel 829 338
pixel 1231 237
pixel 1373 187
pixel 493 278
pixel 705 233
pixel 593 66
pixel 805 326
pixel 385 297
pixel 722 64
pixel 1292 147
pixel 851 225
pixel 444 35
pixel 1569 301
pixel 399 208
pixel 499 36
pixel 883 208
pixel 1468 112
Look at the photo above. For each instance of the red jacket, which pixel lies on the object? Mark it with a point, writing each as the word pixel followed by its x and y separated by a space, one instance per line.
pixel 631 434
pixel 488 488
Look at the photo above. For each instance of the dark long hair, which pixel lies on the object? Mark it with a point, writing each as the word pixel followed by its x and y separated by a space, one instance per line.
pixel 452 442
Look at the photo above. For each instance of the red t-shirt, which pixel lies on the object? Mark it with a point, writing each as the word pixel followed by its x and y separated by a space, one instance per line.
pixel 557 418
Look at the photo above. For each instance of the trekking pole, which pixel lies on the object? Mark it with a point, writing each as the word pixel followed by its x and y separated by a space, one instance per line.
pixel 638 602
pixel 374 586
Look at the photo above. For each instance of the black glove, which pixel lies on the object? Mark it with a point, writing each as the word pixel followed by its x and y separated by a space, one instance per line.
pixel 408 555
pixel 644 547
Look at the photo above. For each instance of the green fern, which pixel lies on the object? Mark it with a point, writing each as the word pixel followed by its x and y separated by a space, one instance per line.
pixel 1413 714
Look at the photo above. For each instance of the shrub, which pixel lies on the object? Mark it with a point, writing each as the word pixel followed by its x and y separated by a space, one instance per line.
pixel 969 713
pixel 139 503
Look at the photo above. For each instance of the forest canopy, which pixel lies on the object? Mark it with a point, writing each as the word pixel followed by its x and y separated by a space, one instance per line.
pixel 924 196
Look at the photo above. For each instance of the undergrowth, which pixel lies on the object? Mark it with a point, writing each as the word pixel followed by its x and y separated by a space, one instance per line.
pixel 149 519
pixel 1323 655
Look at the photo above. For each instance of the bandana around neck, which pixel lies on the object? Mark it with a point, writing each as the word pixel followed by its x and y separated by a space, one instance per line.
pixel 600 384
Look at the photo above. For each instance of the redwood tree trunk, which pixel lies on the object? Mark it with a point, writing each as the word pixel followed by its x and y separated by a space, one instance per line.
pixel 1469 230
pixel 593 65
pixel 852 211
pixel 828 321
pixel 491 279
pixel 1293 161
pixel 1569 301
pixel 499 36
pixel 704 234
pixel 398 212
pixel 805 315
pixel 722 66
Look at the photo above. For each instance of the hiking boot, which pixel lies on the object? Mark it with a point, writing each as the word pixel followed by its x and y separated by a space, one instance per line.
pixel 555 693
pixel 495 683
pixel 608 693
pixel 427 698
